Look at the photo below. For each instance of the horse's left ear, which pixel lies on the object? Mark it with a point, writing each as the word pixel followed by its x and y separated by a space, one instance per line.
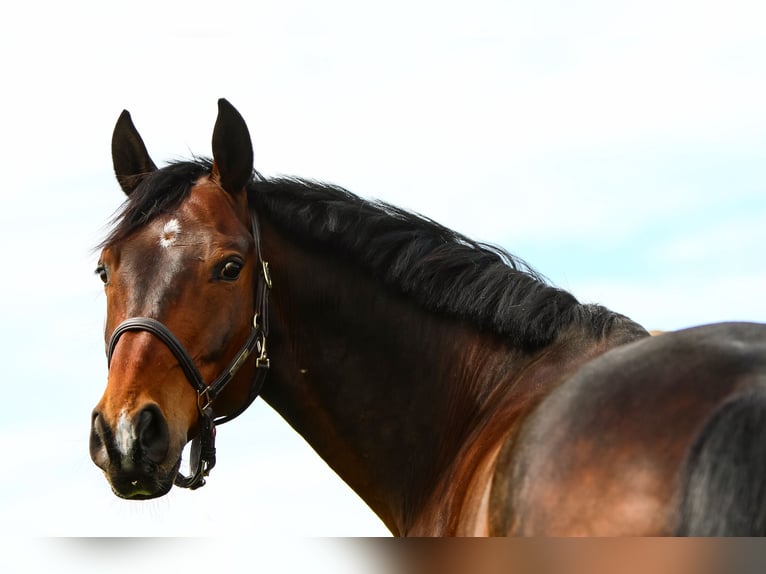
pixel 232 149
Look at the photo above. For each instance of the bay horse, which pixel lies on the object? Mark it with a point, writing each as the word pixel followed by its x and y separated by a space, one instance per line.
pixel 446 382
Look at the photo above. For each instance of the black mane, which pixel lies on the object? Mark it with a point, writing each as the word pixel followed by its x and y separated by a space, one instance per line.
pixel 441 269
pixel 160 192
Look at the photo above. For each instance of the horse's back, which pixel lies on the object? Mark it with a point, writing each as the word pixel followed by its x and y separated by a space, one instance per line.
pixel 624 444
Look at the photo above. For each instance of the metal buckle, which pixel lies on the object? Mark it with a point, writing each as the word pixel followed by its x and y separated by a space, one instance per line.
pixel 204 396
pixel 266 274
pixel 262 361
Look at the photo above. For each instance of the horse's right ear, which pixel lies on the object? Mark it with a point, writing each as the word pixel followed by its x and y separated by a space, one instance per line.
pixel 129 155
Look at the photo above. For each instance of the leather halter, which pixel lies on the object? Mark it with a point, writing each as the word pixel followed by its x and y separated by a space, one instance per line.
pixel 203 446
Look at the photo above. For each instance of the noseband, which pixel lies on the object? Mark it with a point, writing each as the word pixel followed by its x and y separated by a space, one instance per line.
pixel 203 446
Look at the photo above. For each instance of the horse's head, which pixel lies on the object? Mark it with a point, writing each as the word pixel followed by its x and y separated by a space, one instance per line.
pixel 181 256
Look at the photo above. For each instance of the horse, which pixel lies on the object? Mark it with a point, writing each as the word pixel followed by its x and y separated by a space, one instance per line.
pixel 450 385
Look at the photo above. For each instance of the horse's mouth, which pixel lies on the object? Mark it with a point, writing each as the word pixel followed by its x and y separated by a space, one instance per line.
pixel 138 491
pixel 138 495
pixel 142 486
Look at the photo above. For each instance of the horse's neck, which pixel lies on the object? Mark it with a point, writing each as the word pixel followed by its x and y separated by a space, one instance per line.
pixel 384 392
pixel 389 395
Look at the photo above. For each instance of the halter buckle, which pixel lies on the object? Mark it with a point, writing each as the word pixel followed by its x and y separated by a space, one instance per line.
pixel 266 273
pixel 204 397
pixel 262 361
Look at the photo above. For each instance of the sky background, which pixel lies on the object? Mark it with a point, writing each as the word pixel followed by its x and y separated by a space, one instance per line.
pixel 617 147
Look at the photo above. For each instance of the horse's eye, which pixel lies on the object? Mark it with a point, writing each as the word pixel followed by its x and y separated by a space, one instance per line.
pixel 230 270
pixel 102 274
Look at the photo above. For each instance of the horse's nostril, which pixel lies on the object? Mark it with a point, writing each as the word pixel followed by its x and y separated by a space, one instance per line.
pixel 94 419
pixel 153 434
pixel 98 451
pixel 96 433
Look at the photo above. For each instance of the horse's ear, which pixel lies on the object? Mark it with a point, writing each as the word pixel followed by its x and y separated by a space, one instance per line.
pixel 129 155
pixel 232 149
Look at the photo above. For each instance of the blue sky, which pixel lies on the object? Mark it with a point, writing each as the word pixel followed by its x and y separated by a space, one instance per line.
pixel 619 148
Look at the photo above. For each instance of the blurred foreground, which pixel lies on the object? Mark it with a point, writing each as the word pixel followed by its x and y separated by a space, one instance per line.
pixel 388 556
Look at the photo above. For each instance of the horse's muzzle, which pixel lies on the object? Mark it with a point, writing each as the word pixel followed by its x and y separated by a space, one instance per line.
pixel 133 452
